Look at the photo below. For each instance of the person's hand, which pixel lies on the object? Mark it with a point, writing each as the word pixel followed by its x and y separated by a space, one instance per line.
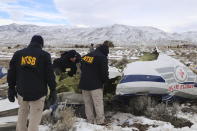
pixel 52 97
pixel 12 94
pixel 57 71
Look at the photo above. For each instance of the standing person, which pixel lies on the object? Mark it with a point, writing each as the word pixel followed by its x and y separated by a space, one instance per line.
pixel 30 72
pixel 91 49
pixel 94 73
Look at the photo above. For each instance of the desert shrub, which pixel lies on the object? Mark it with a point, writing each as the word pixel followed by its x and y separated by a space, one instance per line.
pixel 151 107
pixel 108 43
pixel 148 56
pixel 138 105
pixel 66 83
pixel 3 80
pixel 120 64
pixel 190 109
pixel 62 119
pixel 113 62
pixel 168 114
pixel 141 127
pixel 160 111
pixel 80 46
pixel 110 88
pixel 17 46
pixel 65 119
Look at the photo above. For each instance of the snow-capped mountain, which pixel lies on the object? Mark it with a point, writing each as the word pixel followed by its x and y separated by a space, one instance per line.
pixel 119 34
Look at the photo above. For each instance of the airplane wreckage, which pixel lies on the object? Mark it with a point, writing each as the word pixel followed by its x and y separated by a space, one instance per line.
pixel 3 72
pixel 165 77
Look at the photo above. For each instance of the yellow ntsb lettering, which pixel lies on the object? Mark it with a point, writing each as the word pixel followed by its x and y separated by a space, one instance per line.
pixel 28 60
pixel 88 59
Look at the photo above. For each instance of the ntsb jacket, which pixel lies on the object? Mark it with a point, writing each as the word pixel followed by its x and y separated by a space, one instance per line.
pixel 94 69
pixel 30 72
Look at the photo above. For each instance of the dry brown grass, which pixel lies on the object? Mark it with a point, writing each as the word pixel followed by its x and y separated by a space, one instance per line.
pixel 3 80
pixel 152 108
pixel 66 121
pixel 120 64
pixel 4 63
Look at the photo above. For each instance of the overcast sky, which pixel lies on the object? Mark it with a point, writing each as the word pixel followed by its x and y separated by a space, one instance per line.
pixel 168 15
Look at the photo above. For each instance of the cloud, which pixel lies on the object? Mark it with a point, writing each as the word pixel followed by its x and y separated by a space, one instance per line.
pixel 11 21
pixel 168 15
pixel 164 14
pixel 31 11
pixel 7 1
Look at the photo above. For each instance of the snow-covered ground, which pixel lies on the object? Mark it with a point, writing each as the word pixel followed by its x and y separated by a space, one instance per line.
pixel 9 119
pixel 44 128
pixel 82 125
pixel 118 122
pixel 130 120
pixel 6 105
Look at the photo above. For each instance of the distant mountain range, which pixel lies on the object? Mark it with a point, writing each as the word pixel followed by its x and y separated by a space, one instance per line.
pixel 119 34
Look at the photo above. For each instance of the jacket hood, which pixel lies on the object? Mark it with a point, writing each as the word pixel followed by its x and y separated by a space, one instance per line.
pixel 104 49
pixel 36 41
pixel 70 53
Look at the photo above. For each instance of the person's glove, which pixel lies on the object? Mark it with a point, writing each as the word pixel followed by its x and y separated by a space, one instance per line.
pixel 52 97
pixel 12 94
pixel 57 71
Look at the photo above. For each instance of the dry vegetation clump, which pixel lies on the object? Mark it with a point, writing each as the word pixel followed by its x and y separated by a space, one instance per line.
pixel 142 127
pixel 109 43
pixel 162 112
pixel 190 108
pixel 151 107
pixel 167 113
pixel 81 46
pixel 138 105
pixel 113 62
pixel 65 120
pixel 4 63
pixel 120 64
pixel 149 56
pixel 62 119
pixel 110 88
pixel 3 93
pixel 139 126
pixel 66 83
pixel 3 80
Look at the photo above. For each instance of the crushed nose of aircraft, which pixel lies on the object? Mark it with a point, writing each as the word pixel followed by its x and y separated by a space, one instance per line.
pixel 165 76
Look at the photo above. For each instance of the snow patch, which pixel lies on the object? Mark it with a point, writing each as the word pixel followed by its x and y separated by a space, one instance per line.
pixel 6 105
